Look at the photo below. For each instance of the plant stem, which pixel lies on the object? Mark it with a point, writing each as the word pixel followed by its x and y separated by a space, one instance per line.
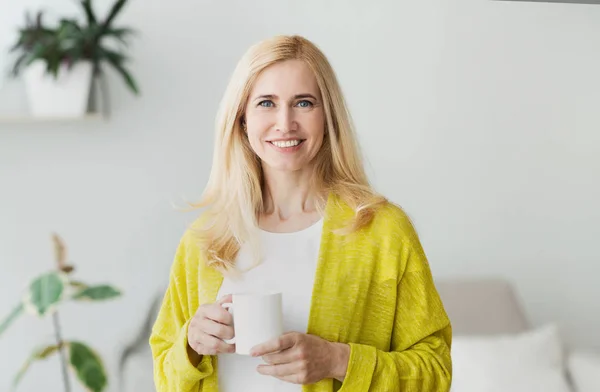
pixel 60 343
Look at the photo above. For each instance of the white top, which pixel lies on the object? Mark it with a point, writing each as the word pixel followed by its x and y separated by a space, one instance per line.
pixel 288 266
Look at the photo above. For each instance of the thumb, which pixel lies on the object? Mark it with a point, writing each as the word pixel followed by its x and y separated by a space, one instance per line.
pixel 225 299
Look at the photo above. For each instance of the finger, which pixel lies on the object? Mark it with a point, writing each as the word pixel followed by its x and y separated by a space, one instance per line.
pixel 225 299
pixel 219 314
pixel 274 345
pixel 279 371
pixel 201 349
pixel 207 351
pixel 285 356
pixel 215 329
pixel 212 343
pixel 293 379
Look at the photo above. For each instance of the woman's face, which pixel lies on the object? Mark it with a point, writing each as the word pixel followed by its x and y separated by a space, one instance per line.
pixel 284 116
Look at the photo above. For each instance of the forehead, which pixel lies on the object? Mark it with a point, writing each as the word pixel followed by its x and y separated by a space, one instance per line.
pixel 285 79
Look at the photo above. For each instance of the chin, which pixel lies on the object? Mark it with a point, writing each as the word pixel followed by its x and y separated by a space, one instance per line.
pixel 286 166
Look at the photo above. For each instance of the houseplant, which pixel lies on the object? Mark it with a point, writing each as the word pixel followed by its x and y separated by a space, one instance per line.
pixel 59 62
pixel 45 294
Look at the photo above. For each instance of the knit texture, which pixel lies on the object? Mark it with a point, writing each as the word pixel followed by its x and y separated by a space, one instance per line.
pixel 373 290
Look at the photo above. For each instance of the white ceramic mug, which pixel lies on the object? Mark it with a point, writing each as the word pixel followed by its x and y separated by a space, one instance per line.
pixel 257 318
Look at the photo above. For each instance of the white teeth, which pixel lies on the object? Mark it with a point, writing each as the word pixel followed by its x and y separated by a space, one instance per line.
pixel 287 143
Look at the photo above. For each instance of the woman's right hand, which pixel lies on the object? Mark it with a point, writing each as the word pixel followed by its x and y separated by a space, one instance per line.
pixel 209 327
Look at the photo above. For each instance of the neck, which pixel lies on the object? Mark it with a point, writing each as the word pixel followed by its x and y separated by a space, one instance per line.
pixel 288 194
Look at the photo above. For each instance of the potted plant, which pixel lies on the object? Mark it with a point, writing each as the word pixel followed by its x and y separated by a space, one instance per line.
pixel 43 297
pixel 59 62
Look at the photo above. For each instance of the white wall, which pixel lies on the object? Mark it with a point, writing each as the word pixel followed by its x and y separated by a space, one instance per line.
pixel 479 117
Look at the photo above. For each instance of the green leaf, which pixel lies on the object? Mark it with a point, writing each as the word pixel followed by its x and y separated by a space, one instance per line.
pixel 97 293
pixel 44 293
pixel 38 19
pixel 120 31
pixel 16 312
pixel 88 366
pixel 53 65
pixel 111 56
pixel 115 59
pixel 20 42
pixel 120 34
pixel 113 13
pixel 70 24
pixel 78 284
pixel 18 63
pixel 128 78
pixel 37 52
pixel 38 354
pixel 89 12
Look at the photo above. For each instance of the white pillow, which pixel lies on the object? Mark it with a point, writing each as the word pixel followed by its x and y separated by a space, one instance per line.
pixel 527 362
pixel 584 368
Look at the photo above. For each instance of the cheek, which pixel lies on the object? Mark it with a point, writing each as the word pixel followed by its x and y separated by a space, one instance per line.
pixel 258 126
pixel 317 129
pixel 254 139
pixel 259 118
pixel 317 120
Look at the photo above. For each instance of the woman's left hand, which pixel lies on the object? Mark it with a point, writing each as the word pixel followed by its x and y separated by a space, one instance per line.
pixel 302 359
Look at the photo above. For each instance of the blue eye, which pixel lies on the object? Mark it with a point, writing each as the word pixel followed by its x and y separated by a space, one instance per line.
pixel 305 104
pixel 267 103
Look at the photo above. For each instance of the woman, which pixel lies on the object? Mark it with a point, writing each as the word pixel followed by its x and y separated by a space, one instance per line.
pixel 289 208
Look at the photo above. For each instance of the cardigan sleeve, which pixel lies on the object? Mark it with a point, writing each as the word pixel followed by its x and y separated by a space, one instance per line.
pixel 173 370
pixel 419 357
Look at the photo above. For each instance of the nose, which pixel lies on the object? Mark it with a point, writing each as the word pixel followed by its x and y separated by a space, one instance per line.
pixel 285 120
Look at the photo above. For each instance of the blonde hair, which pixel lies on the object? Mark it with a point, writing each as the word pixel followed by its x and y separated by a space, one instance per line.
pixel 234 193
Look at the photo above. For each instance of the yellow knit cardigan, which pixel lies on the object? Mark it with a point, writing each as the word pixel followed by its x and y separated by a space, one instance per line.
pixel 373 289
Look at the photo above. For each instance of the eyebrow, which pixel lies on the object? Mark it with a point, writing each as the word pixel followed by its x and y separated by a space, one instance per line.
pixel 297 96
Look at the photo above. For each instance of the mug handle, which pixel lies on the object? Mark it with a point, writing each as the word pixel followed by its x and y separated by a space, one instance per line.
pixel 229 307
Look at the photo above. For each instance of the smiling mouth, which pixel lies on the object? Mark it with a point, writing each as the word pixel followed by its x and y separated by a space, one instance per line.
pixel 287 143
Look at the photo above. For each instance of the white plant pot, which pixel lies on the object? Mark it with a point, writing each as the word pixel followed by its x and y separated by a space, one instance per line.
pixel 66 95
